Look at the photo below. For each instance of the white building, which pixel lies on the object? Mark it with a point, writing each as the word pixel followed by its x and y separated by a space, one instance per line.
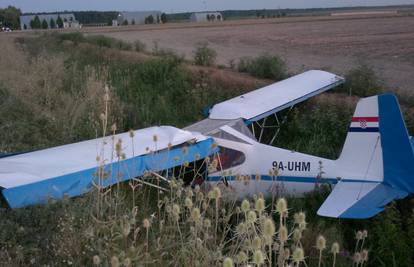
pixel 206 16
pixel 68 19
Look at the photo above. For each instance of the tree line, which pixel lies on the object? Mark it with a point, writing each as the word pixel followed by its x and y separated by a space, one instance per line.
pixel 36 23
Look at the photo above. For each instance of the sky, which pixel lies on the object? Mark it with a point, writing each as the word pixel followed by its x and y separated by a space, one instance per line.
pixel 173 6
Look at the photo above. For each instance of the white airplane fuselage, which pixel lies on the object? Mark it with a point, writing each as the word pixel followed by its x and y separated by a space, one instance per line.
pixel 270 170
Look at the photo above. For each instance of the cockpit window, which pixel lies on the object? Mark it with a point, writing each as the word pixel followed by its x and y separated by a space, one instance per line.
pixel 229 158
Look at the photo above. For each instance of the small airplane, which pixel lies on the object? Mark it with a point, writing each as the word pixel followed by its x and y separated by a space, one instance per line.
pixel 375 167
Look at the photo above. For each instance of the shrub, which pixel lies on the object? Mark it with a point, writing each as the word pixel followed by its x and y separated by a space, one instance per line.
pixel 204 55
pixel 139 46
pixel 264 66
pixel 362 81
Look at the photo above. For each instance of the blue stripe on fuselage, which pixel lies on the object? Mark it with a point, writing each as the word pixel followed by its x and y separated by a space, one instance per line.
pixel 286 179
pixel 364 130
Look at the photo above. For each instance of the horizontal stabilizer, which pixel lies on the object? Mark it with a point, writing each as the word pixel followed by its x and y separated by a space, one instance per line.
pixel 358 200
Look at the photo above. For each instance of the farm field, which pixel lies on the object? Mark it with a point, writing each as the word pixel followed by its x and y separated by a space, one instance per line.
pixel 385 42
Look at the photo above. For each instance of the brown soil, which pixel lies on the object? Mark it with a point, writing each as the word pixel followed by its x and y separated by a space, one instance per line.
pixel 336 44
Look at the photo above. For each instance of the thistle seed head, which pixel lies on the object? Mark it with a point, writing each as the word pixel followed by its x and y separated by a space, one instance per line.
pixel 228 262
pixel 281 206
pixel 258 257
pixel 335 248
pixel 321 242
pixel 245 206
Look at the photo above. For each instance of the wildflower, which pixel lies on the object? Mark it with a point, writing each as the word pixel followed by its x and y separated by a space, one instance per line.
pixel 257 243
pixel 228 262
pixel 207 223
pixel 126 228
pixel 251 216
pixel 297 235
pixel 283 233
pixel 176 210
pixel 245 206
pixel 146 223
pixel 359 235
pixel 357 258
pixel 195 214
pixel 268 228
pixel 300 217
pixel 260 204
pixel 364 255
pixel 188 203
pixel 321 243
pixel 302 226
pixel 96 260
pixel 286 253
pixel 258 257
pixel 364 234
pixel 114 261
pixel 241 257
pixel 335 248
pixel 281 206
pixel 298 255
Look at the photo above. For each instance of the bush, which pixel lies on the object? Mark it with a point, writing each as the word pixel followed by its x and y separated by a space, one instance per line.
pixel 139 46
pixel 265 66
pixel 362 81
pixel 204 55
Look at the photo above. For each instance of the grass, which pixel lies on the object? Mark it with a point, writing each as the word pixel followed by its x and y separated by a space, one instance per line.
pixel 53 88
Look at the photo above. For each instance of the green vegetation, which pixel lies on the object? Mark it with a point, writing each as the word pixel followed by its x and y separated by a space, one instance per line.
pixel 265 66
pixel 204 55
pixel 10 17
pixel 52 92
pixel 362 81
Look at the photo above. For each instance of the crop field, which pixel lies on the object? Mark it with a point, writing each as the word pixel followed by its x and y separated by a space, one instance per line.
pixel 337 43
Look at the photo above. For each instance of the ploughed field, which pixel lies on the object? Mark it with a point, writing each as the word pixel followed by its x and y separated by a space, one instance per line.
pixel 337 44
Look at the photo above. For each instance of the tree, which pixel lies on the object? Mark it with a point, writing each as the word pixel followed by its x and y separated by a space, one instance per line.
pixel 208 17
pixel 52 23
pixel 125 23
pixel 149 19
pixel 44 24
pixel 59 22
pixel 36 23
pixel 164 18
pixel 158 19
pixel 10 17
pixel 25 27
pixel 133 22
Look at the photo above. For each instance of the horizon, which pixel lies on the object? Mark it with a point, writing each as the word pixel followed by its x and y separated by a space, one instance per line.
pixel 182 6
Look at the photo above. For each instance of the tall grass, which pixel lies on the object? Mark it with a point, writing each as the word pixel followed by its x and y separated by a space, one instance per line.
pixel 52 89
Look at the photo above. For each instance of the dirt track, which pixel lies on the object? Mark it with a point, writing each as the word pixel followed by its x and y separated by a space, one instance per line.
pixel 336 44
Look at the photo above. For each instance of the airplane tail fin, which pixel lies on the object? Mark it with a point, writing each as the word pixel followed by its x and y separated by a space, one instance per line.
pixel 379 147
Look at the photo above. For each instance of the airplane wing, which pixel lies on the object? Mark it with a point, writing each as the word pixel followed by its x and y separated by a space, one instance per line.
pixel 34 177
pixel 358 200
pixel 271 99
pixel 266 101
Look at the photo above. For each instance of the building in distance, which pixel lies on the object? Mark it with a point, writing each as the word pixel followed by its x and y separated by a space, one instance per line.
pixel 48 21
pixel 138 17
